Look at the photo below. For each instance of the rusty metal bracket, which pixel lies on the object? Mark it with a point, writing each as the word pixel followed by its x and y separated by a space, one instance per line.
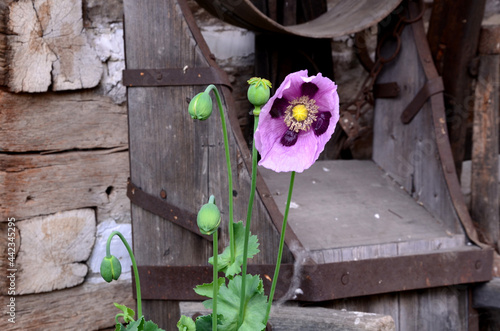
pixel 329 281
pixel 174 77
pixel 431 87
pixel 162 208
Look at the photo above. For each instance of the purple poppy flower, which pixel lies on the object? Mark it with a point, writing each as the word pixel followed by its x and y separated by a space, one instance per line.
pixel 297 122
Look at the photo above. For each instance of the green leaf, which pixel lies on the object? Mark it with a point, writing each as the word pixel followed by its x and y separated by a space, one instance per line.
pixel 207 290
pixel 224 260
pixel 186 324
pixel 120 327
pixel 128 314
pixel 136 325
pixel 150 326
pixel 228 303
pixel 204 323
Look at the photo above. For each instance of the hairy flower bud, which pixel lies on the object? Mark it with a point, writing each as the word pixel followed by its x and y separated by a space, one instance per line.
pixel 200 107
pixel 111 268
pixel 258 92
pixel 209 217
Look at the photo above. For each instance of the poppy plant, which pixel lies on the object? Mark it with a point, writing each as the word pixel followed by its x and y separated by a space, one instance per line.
pixel 297 122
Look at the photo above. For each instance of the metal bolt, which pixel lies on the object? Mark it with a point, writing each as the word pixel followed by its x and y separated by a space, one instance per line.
pixel 163 194
pixel 478 264
pixel 345 279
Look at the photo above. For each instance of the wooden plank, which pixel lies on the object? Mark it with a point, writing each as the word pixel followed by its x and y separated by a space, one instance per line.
pixel 352 203
pixel 52 250
pixel 33 184
pixel 48 48
pixel 288 318
pixel 487 295
pixel 50 121
pixel 453 36
pixel 95 309
pixel 484 177
pixel 409 153
pixel 434 309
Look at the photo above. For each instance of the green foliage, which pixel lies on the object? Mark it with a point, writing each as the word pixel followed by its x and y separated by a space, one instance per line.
pixel 186 324
pixel 224 260
pixel 207 290
pixel 130 324
pixel 228 303
pixel 204 323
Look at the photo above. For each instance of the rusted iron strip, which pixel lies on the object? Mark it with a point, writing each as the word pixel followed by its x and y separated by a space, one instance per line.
pixel 291 239
pixel 162 208
pixel 432 86
pixel 441 132
pixel 174 77
pixel 323 282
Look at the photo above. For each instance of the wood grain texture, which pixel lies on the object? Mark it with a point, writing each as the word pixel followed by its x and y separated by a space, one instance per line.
pixel 453 34
pixel 50 121
pixel 487 295
pixel 340 204
pixel 484 177
pixel 57 310
pixel 48 48
pixel 409 153
pixel 34 184
pixel 53 249
pixel 289 318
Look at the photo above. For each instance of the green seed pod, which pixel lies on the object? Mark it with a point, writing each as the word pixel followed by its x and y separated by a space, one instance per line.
pixel 209 217
pixel 111 268
pixel 200 107
pixel 259 91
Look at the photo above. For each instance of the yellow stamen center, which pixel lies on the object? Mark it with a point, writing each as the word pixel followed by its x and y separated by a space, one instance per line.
pixel 301 113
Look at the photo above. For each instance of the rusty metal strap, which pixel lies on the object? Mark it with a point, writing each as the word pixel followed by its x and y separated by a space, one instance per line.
pixel 174 77
pixel 431 87
pixel 323 282
pixel 162 208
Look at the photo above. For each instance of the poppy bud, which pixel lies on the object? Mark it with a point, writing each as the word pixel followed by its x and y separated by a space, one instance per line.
pixel 111 268
pixel 200 107
pixel 209 217
pixel 258 92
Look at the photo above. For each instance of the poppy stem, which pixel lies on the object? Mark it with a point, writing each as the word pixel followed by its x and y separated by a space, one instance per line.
pixel 232 244
pixel 134 266
pixel 215 282
pixel 280 251
pixel 247 225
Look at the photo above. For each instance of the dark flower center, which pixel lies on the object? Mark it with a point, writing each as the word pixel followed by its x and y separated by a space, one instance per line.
pixel 301 114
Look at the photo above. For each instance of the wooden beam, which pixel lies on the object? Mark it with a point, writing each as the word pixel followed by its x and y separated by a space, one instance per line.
pixel 88 306
pixel 48 48
pixel 453 38
pixel 51 251
pixel 58 122
pixel 34 184
pixel 484 178
pixel 287 318
pixel 487 295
